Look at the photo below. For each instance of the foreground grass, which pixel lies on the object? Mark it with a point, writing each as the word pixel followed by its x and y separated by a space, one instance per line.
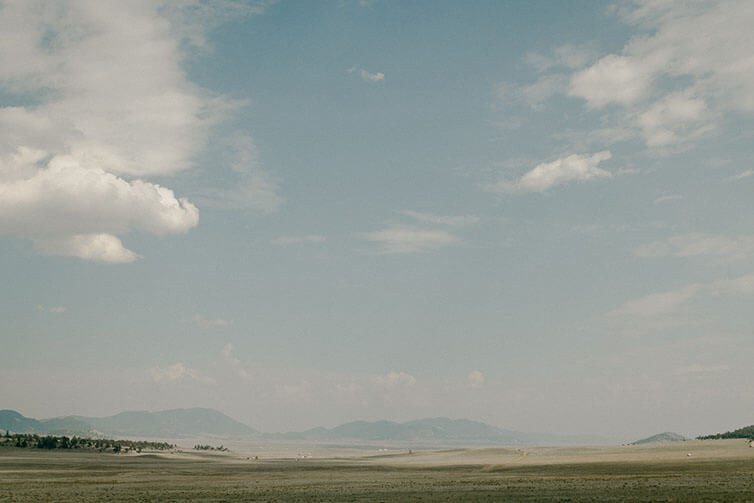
pixel 44 476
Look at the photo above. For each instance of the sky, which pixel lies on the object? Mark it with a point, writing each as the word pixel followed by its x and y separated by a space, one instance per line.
pixel 533 214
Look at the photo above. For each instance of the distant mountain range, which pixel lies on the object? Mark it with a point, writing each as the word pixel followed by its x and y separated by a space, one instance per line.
pixel 667 436
pixel 173 423
pixel 439 431
pixel 178 423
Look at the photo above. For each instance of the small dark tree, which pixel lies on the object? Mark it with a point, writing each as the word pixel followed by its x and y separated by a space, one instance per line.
pixel 47 442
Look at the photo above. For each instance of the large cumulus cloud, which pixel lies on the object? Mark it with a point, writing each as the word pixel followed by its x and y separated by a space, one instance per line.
pixel 97 104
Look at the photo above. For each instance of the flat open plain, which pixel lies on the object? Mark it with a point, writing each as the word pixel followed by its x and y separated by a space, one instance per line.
pixel 694 471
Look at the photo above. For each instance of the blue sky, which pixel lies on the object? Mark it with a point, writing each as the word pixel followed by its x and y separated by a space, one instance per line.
pixel 533 214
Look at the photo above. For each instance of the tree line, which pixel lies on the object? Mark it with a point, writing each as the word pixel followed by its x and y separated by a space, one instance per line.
pixel 200 447
pixel 745 432
pixel 34 441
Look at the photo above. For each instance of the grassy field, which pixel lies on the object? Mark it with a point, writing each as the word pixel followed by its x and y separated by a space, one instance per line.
pixel 697 471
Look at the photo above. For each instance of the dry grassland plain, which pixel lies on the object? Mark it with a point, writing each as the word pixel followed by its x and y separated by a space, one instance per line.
pixel 694 471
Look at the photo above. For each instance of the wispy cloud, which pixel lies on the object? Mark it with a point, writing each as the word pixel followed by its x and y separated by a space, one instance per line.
pixel 475 379
pixel 668 198
pixel 664 303
pixel 572 168
pixel 232 362
pixel 393 380
pixel 404 239
pixel 178 372
pixel 294 240
pixel 431 218
pixel 740 176
pixel 567 56
pixel 207 324
pixel 677 117
pixel 227 353
pixel 697 369
pixel 742 285
pixel 301 392
pixel 554 79
pixel 253 186
pixel 656 304
pixel 533 95
pixel 696 244
pixel 53 310
pixel 194 20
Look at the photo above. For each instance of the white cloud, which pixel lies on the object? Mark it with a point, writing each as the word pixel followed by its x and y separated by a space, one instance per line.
pixel 705 41
pixel 70 210
pixel 431 218
pixel 294 240
pixel 475 379
pixel 67 199
pixel 121 101
pixel 697 244
pixel 371 77
pixel 366 75
pixel 95 247
pixel 561 171
pixel 689 64
pixel 177 372
pixel 614 79
pixel 403 239
pixel 676 117
pixel 193 19
pixel 109 106
pixel 393 380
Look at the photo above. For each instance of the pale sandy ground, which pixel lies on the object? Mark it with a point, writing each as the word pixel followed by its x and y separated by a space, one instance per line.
pixel 697 450
pixel 692 450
